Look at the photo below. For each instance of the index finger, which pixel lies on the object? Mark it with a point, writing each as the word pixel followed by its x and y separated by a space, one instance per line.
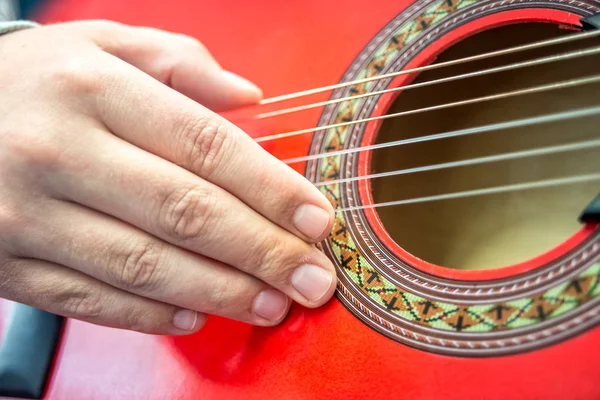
pixel 182 131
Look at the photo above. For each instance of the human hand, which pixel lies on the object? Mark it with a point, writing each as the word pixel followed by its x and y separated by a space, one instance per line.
pixel 125 200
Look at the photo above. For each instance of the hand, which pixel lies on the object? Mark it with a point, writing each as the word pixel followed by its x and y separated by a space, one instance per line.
pixel 125 202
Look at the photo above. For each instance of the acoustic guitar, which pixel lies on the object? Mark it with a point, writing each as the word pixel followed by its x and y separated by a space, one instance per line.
pixel 459 143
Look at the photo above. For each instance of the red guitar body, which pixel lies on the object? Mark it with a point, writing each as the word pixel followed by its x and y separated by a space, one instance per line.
pixel 399 327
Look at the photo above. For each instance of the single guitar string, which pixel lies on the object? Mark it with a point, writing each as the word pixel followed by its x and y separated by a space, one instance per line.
pixel 584 145
pixel 511 50
pixel 480 192
pixel 531 90
pixel 562 116
pixel 509 67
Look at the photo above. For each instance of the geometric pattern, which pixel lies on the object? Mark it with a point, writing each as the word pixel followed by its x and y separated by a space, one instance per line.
pixel 455 317
pixel 396 302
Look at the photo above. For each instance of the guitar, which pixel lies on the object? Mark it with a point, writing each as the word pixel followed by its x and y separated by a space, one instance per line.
pixel 458 141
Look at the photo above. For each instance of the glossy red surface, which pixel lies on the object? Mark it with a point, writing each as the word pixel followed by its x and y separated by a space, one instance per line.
pixel 315 354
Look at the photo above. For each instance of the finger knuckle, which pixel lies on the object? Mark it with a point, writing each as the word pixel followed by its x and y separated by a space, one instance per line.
pixel 228 297
pixel 278 195
pixel 35 146
pixel 191 43
pixel 137 321
pixel 102 25
pixel 216 300
pixel 80 301
pixel 74 75
pixel 42 157
pixel 11 220
pixel 206 144
pixel 186 212
pixel 271 258
pixel 138 269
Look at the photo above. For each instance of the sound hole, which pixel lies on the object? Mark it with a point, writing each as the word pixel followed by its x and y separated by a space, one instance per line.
pixel 492 230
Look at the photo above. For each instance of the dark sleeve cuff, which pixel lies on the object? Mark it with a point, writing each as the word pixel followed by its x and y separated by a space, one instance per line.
pixel 11 26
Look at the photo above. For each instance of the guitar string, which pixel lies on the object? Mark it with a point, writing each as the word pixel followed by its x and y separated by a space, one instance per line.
pixel 530 46
pixel 562 116
pixel 530 90
pixel 583 145
pixel 509 67
pixel 477 192
pixel 480 192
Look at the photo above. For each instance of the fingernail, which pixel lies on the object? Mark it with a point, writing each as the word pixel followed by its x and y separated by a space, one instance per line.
pixel 185 320
pixel 241 83
pixel 311 281
pixel 311 220
pixel 270 304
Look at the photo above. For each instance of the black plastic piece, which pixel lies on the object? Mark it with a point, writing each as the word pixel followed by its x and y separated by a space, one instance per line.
pixel 591 23
pixel 27 352
pixel 591 213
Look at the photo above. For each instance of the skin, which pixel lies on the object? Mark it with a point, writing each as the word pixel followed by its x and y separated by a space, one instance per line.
pixel 126 201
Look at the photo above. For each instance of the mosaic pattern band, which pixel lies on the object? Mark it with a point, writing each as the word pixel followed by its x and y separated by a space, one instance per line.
pixel 551 303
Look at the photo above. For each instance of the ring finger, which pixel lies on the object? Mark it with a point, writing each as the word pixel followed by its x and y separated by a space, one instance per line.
pixel 133 261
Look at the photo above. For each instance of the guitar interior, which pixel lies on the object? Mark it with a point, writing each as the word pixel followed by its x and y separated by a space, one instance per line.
pixel 492 230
